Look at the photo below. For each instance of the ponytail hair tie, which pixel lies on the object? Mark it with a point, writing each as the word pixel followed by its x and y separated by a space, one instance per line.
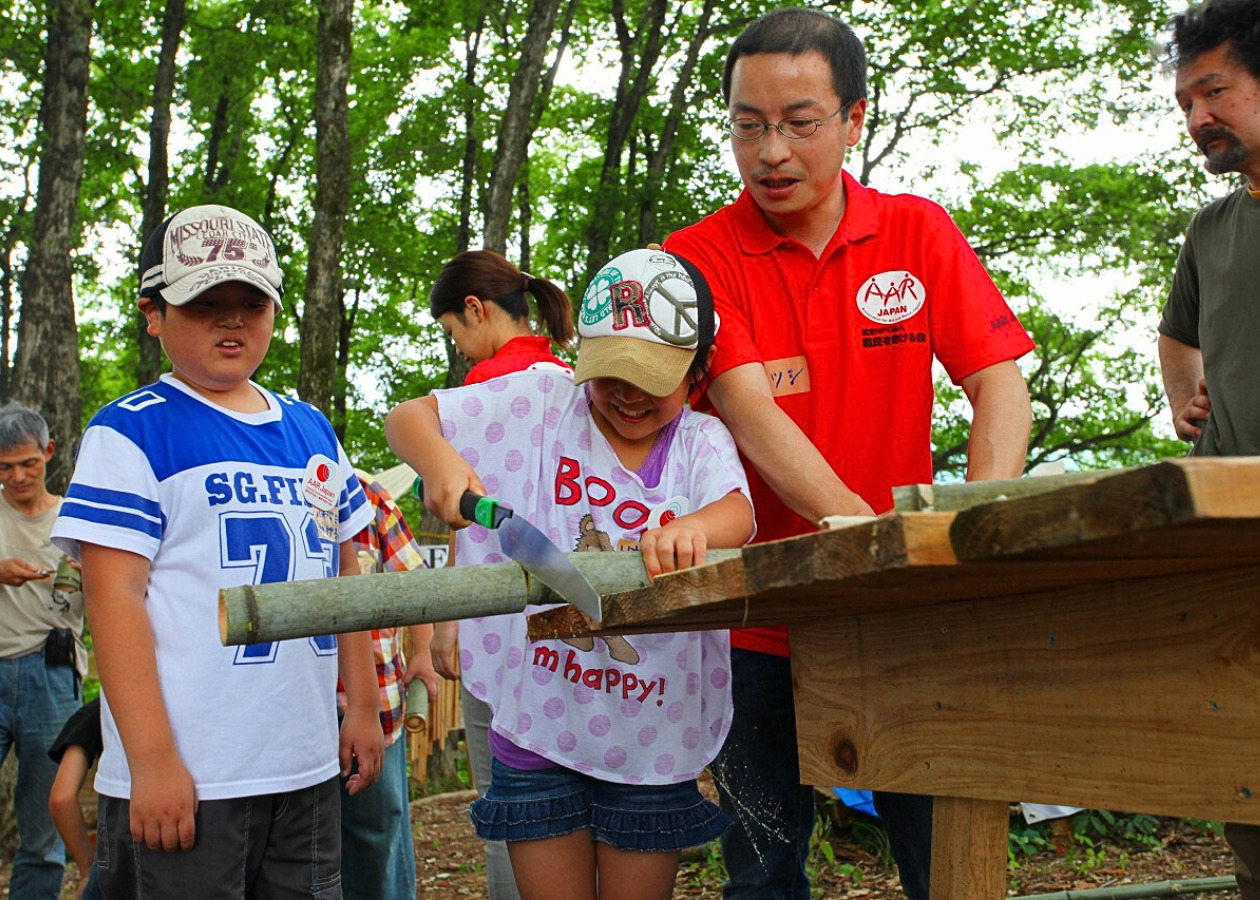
pixel 526 278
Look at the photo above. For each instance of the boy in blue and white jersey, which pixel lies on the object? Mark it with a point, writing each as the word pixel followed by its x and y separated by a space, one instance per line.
pixel 219 773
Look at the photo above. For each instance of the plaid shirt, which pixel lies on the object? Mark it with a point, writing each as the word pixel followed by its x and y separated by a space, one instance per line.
pixel 386 546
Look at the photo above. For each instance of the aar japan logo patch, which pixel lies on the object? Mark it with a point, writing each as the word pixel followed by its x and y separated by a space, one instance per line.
pixel 891 296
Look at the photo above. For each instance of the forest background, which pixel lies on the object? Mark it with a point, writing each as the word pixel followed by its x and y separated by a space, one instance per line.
pixel 377 139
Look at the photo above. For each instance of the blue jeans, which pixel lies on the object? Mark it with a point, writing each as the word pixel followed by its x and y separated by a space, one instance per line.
pixel 378 856
pixel 92 889
pixel 532 804
pixel 35 701
pixel 758 780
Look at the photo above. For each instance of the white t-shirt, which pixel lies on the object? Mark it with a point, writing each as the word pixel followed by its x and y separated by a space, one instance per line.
pixel 651 708
pixel 214 498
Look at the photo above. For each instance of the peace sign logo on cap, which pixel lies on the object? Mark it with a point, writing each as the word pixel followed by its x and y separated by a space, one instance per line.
pixel 671 303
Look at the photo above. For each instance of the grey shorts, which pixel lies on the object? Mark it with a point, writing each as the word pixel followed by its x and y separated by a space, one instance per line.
pixel 273 845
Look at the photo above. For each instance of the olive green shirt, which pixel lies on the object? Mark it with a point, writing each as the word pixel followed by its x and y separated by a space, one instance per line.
pixel 1215 305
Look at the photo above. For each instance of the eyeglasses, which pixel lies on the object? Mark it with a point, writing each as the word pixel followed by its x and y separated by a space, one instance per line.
pixel 793 128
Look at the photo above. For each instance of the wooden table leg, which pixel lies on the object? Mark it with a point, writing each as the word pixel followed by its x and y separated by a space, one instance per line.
pixel 969 849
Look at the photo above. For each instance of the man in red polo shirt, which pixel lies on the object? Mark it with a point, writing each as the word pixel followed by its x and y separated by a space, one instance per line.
pixel 834 300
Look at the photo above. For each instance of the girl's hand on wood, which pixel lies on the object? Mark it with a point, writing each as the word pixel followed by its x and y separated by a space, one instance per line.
pixel 678 545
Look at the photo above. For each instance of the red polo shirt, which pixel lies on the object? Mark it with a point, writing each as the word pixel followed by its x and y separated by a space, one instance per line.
pixel 848 338
pixel 517 354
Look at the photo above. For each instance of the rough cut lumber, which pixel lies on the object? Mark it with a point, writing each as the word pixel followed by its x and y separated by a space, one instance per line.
pixel 1164 519
pixel 1139 695
pixel 955 497
pixel 1185 507
pixel 772 583
pixel 273 612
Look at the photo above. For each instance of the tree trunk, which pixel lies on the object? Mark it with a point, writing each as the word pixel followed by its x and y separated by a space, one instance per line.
pixel 345 330
pixel 457 367
pixel 526 214
pixel 515 129
pixel 468 168
pixel 7 286
pixel 46 370
pixel 321 312
pixel 216 174
pixel 149 360
pixel 633 83
pixel 664 149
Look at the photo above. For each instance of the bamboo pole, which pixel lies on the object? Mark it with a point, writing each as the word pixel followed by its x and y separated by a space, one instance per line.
pixel 254 614
pixel 1182 888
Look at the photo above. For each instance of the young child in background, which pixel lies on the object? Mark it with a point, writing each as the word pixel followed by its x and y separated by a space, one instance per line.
pixel 378 851
pixel 74 750
pixel 479 300
pixel 597 745
pixel 219 770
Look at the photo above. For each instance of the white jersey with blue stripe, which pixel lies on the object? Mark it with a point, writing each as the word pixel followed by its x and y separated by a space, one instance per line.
pixel 215 498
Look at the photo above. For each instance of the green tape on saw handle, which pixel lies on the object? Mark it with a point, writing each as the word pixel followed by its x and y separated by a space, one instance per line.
pixel 473 507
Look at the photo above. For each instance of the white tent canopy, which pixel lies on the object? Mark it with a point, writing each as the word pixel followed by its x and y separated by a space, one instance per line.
pixel 397 480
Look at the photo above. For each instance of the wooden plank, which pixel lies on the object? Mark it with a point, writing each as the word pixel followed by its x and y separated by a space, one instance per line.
pixel 893 562
pixel 1140 696
pixel 771 583
pixel 969 848
pixel 1133 514
pixel 956 497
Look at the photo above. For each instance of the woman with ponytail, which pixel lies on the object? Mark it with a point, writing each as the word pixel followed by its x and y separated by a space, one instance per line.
pixel 479 299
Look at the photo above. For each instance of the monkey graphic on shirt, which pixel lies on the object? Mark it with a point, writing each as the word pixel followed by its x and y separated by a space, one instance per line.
pixel 592 539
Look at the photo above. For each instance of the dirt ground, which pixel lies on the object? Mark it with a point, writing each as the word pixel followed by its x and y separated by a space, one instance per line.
pixel 846 863
pixel 449 862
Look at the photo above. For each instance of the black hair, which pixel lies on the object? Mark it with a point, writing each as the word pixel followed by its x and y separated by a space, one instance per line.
pixel 798 30
pixel 706 327
pixel 1208 25
pixel 490 278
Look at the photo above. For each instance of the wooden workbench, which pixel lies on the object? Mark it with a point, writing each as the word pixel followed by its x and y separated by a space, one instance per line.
pixel 1095 644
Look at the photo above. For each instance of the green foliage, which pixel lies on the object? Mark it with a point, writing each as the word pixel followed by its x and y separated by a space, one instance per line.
pixel 1093 837
pixel 844 840
pixel 1208 826
pixel 710 866
pixel 1078 220
pixel 1095 404
pixel 872 839
pixel 826 852
pixel 91 686
pixel 1096 825
pixel 1024 840
pixel 936 64
pixel 429 86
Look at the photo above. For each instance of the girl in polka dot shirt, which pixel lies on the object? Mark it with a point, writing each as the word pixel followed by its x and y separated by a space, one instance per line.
pixel 597 742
